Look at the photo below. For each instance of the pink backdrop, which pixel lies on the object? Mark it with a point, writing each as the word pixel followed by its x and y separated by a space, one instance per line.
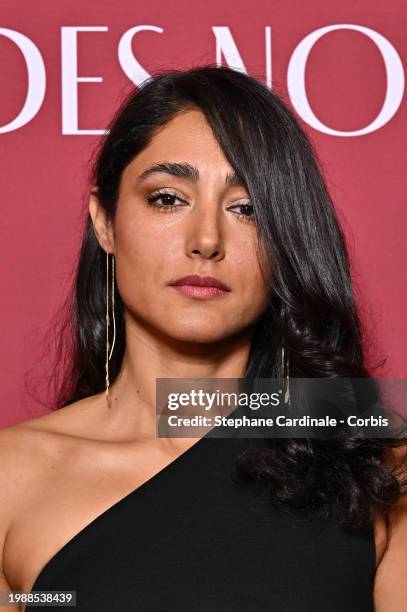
pixel 346 81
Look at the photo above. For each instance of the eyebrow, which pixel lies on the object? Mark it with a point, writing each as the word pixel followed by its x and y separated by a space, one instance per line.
pixel 186 170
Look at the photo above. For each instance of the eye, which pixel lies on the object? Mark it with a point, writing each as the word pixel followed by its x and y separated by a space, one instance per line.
pixel 167 200
pixel 247 211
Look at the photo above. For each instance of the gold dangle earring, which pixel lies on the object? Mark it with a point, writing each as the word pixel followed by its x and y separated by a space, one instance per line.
pixel 109 355
pixel 287 392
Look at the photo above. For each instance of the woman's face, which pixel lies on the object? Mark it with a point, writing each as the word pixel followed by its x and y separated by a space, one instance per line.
pixel 200 227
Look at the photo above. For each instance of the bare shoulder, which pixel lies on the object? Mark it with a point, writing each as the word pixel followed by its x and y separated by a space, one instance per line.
pixel 396 456
pixel 21 450
pixel 44 434
pixel 390 592
pixel 32 455
pixel 25 446
pixel 28 451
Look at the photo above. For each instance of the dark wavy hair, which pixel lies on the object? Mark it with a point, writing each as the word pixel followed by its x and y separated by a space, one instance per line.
pixel 311 307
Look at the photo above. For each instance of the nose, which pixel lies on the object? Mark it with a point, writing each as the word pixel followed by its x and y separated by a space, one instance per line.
pixel 205 236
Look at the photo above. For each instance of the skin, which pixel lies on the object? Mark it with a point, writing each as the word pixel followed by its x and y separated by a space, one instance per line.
pixel 64 469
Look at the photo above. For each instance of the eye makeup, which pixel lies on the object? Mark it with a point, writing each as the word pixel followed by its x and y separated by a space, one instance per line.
pixel 168 199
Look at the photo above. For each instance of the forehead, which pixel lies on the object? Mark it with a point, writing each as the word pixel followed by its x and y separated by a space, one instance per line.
pixel 187 136
pixel 189 124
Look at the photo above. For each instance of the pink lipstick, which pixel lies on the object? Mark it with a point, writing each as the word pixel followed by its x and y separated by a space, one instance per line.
pixel 200 286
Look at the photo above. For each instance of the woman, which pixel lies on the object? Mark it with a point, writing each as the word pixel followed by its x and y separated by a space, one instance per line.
pixel 204 172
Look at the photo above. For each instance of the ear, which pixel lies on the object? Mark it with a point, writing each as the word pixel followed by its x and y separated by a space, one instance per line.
pixel 101 224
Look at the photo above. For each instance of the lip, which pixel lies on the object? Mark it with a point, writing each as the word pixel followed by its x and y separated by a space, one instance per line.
pixel 200 286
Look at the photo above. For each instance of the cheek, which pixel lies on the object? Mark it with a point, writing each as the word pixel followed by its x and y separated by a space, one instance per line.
pixel 145 254
pixel 138 258
pixel 254 295
pixel 144 237
pixel 253 285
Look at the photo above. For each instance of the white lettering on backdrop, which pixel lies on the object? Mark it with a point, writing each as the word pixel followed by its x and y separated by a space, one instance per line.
pixel 394 74
pixel 225 45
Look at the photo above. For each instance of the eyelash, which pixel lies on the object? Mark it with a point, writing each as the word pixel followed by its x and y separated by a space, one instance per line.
pixel 154 197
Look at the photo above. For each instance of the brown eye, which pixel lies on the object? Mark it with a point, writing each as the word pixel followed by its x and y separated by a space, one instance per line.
pixel 167 200
pixel 246 211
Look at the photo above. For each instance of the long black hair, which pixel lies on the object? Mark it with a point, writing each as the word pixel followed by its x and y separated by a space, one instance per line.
pixel 311 306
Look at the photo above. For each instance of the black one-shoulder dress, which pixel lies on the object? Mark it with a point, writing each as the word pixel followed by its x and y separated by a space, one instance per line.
pixel 194 538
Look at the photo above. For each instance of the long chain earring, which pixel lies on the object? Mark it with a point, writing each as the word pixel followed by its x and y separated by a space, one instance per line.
pixel 287 392
pixel 109 355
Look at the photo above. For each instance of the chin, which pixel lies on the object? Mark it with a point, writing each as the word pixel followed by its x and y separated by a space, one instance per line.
pixel 198 334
